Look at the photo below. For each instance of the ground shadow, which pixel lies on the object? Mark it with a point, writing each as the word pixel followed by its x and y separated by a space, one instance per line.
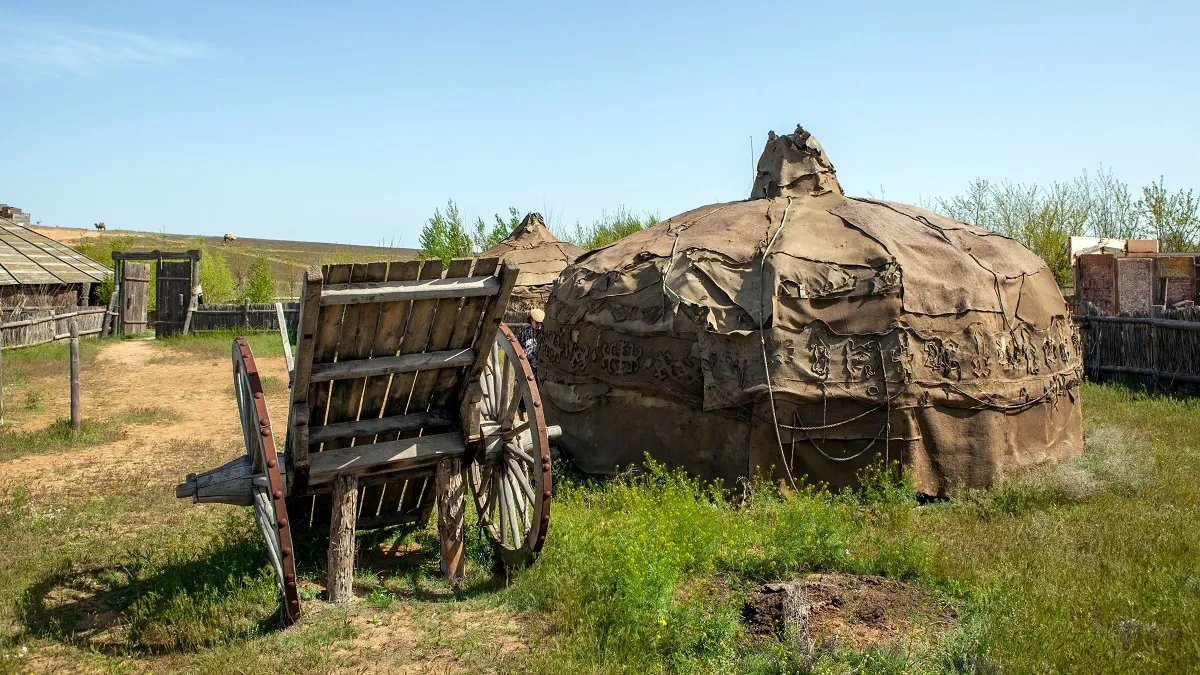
pixel 90 608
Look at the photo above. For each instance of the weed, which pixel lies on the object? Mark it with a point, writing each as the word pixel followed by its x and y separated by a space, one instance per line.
pixel 33 400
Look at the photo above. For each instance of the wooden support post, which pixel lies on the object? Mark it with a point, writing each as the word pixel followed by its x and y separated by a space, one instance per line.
pixel 246 313
pixel 75 416
pixel 340 564
pixel 287 343
pixel 451 503
pixel 1 377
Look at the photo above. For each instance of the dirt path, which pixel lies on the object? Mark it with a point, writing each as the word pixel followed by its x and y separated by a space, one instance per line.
pixel 135 380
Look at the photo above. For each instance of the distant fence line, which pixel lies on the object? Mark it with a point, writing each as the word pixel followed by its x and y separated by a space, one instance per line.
pixel 1161 353
pixel 49 325
pixel 245 316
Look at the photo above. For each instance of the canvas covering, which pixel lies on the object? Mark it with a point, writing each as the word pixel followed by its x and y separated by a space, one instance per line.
pixel 802 332
pixel 541 257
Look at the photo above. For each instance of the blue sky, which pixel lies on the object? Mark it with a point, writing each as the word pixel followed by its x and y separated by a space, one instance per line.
pixel 353 123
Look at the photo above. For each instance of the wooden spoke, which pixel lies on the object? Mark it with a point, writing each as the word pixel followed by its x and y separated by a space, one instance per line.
pixel 516 431
pixel 510 478
pixel 521 479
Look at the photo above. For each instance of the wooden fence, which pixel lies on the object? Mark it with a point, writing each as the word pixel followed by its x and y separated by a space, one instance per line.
pixel 50 325
pixel 244 316
pixel 1161 353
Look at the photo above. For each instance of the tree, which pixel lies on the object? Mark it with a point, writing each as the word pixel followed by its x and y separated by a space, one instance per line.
pixel 610 228
pixel 260 287
pixel 483 238
pixel 215 277
pixel 444 237
pixel 1172 219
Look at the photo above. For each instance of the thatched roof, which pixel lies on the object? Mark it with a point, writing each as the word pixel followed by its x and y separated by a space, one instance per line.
pixel 539 253
pixel 27 257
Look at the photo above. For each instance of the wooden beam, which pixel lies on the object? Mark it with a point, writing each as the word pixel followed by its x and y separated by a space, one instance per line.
pixel 405 363
pixel 409 453
pixel 1141 320
pixel 451 505
pixel 156 255
pixel 340 563
pixel 379 425
pixel 306 328
pixel 418 289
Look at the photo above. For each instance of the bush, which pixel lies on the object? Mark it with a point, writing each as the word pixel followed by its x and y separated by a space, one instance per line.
pixel 260 287
pixel 610 228
pixel 215 278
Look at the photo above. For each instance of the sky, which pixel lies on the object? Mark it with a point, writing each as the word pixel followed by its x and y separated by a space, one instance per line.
pixel 352 123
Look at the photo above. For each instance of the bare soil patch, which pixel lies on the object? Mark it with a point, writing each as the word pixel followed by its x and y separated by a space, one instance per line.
pixel 855 610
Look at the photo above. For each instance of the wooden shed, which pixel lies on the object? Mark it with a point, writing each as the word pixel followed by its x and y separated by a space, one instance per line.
pixel 38 272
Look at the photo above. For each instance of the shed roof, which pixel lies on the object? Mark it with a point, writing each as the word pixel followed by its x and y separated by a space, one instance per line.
pixel 27 257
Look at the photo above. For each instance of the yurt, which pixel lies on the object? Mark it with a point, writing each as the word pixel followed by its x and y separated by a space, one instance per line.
pixel 803 334
pixel 541 257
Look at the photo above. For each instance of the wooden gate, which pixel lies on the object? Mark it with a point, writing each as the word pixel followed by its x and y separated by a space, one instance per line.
pixel 174 294
pixel 135 287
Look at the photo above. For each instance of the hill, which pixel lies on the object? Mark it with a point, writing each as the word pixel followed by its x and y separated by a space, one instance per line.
pixel 288 259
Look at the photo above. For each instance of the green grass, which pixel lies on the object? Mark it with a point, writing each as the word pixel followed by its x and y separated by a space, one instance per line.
pixel 46 360
pixel 57 437
pixel 1089 566
pixel 219 344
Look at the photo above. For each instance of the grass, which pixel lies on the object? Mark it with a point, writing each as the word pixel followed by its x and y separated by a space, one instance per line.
pixel 218 344
pixel 1088 566
pixel 57 437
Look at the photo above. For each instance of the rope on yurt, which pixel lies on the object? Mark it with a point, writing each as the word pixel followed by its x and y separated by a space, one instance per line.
pixel 762 336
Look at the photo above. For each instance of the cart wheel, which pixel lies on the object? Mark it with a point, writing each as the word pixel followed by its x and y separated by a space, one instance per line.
pixel 269 491
pixel 510 476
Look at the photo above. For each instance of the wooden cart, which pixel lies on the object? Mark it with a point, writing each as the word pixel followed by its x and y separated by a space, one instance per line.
pixel 404 379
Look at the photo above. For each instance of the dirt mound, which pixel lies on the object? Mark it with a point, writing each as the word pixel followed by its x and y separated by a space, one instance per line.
pixel 856 611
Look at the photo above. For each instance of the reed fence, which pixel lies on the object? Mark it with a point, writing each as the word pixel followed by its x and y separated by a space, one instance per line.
pixel 1158 352
pixel 35 327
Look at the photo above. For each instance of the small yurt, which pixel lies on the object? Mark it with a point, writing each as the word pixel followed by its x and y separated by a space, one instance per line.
pixel 541 257
pixel 804 334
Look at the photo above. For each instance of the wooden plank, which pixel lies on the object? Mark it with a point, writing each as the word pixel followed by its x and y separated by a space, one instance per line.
pixel 452 502
pixel 469 317
pixel 306 327
pixel 345 395
pixel 393 319
pixel 490 325
pixel 329 330
pixel 419 289
pixel 340 564
pixel 371 427
pixel 408 363
pixel 408 453
pixel 416 336
pixel 444 321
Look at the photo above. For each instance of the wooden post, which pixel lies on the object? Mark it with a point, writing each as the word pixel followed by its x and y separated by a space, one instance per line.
pixel 340 563
pixel 451 503
pixel 75 420
pixel 246 313
pixel 1 377
pixel 287 343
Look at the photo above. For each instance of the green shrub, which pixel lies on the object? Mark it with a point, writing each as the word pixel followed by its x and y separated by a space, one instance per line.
pixel 260 287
